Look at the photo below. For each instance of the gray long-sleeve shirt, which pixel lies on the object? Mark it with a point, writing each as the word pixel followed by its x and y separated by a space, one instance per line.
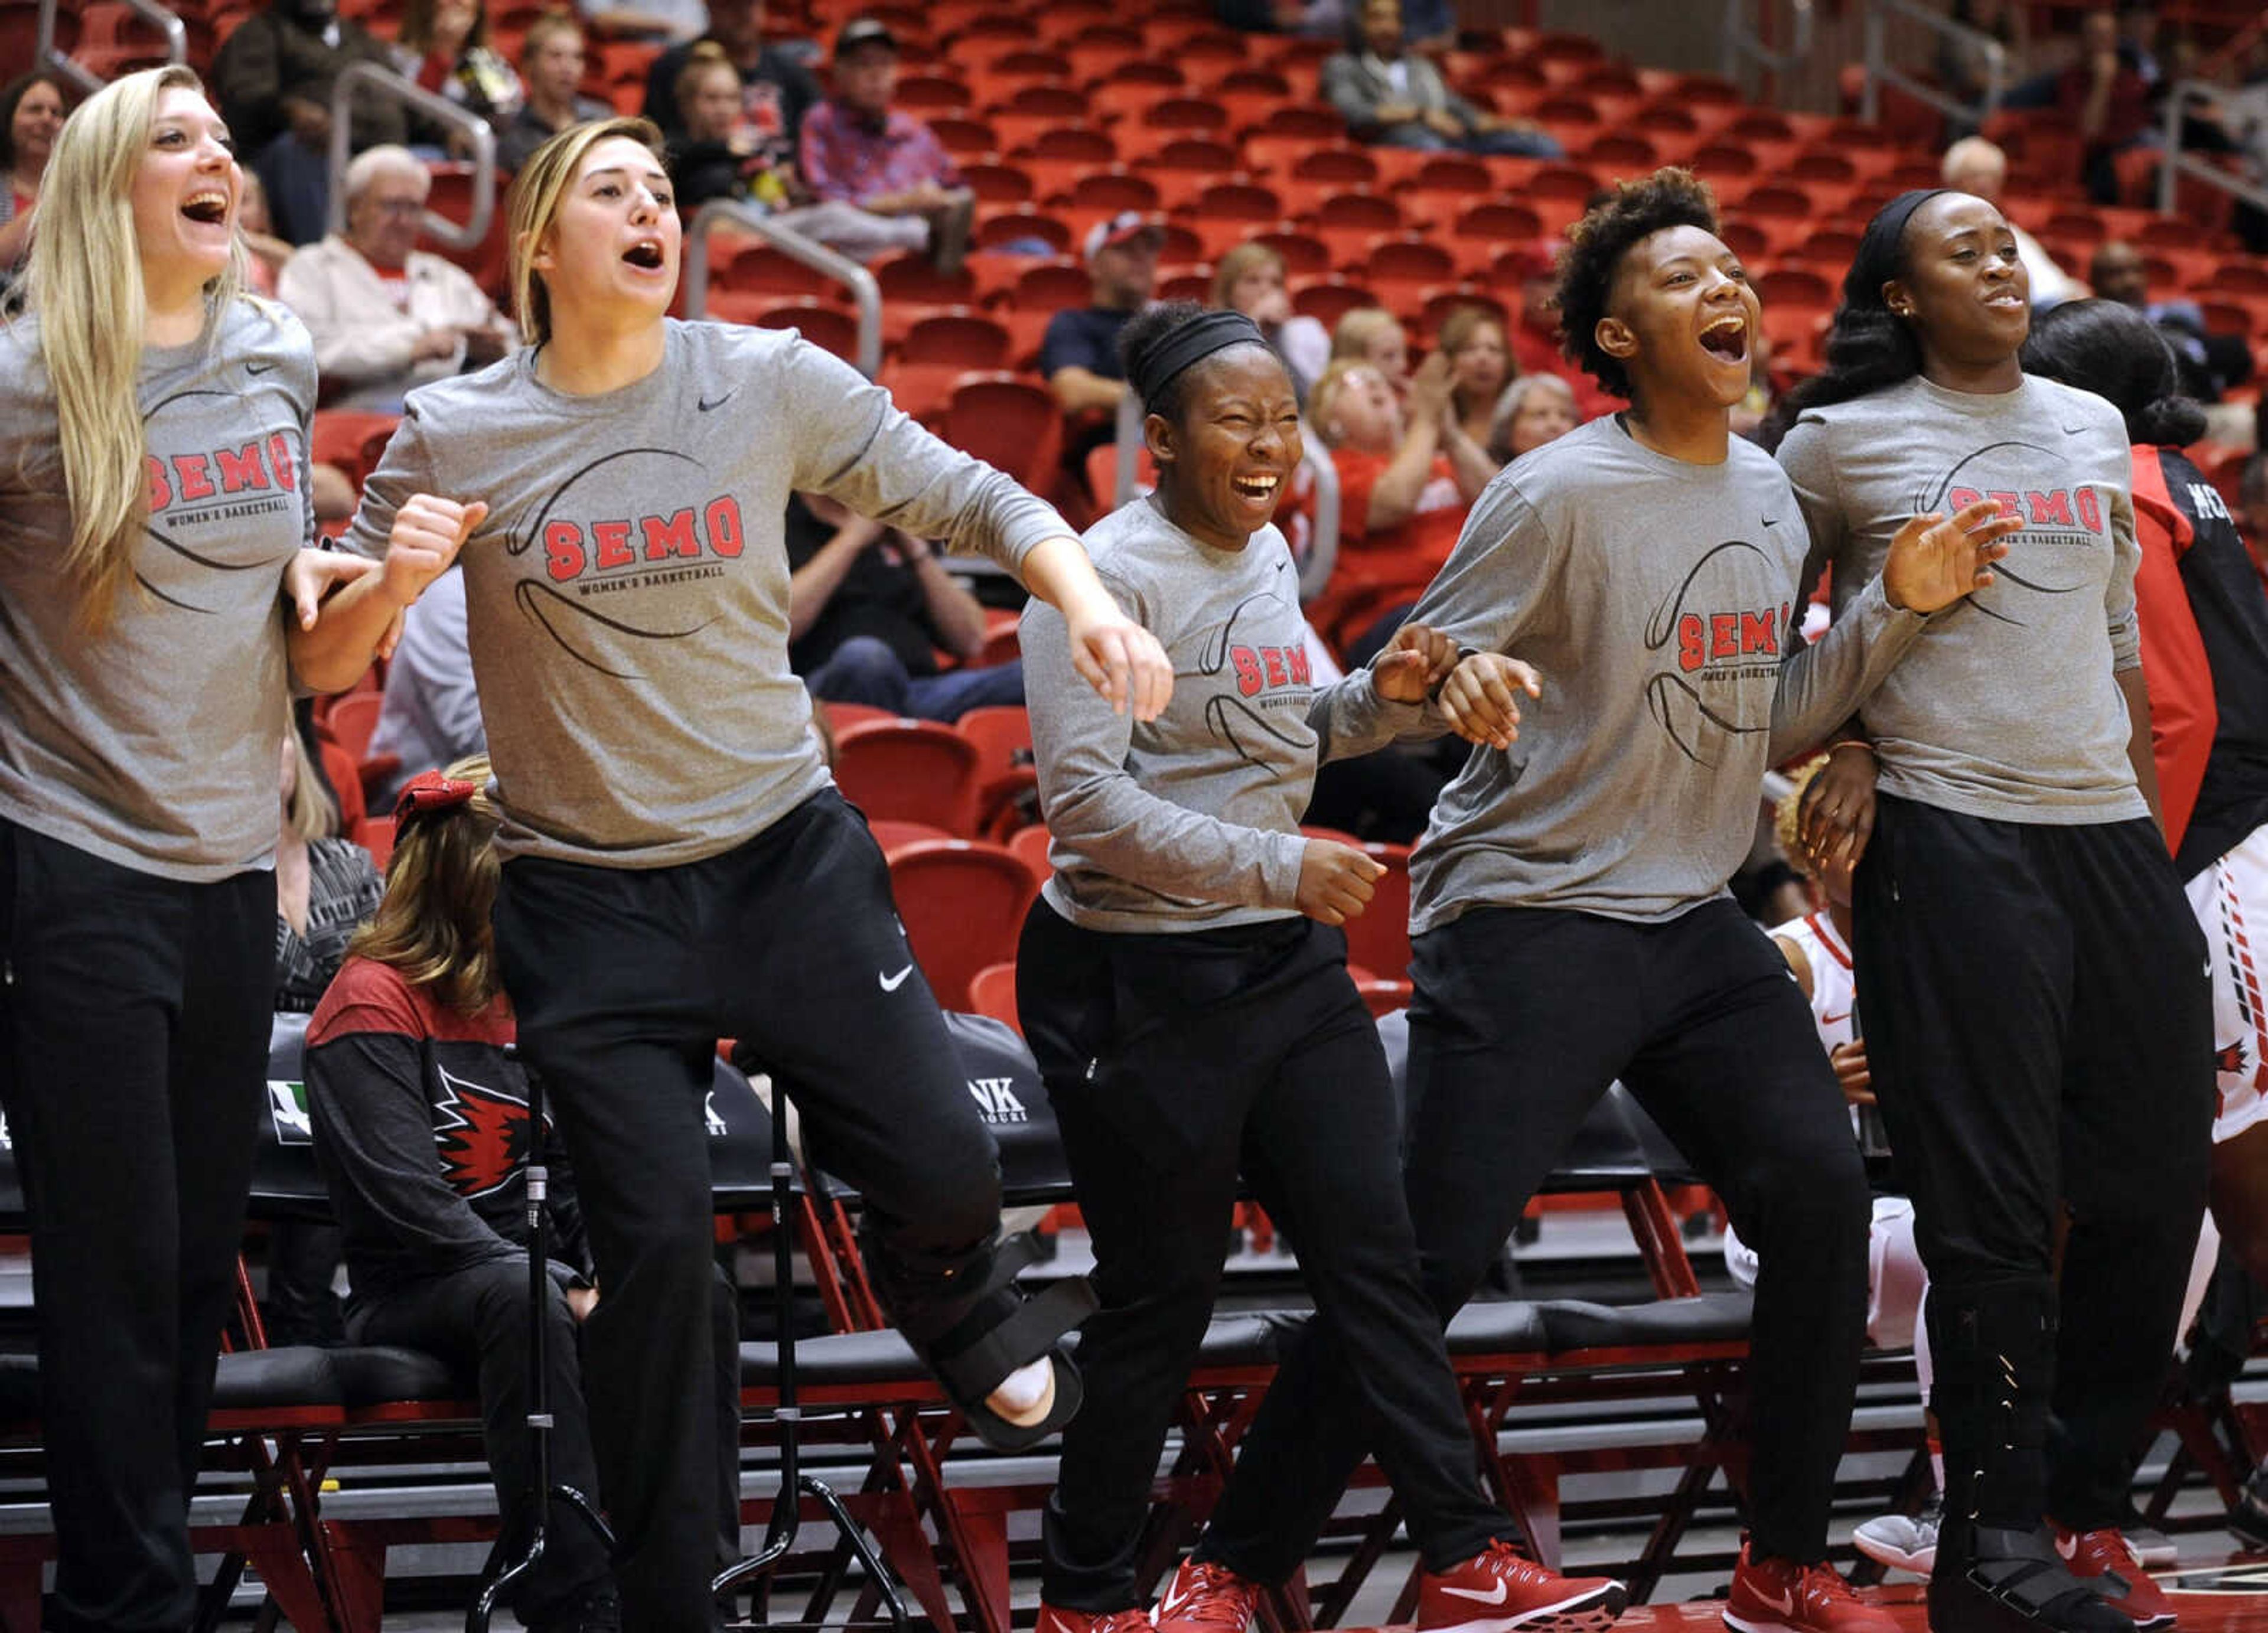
pixel 626 596
pixel 2008 707
pixel 1189 821
pixel 1658 600
pixel 153 744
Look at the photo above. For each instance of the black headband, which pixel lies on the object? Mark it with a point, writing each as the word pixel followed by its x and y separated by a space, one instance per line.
pixel 1876 263
pixel 1148 371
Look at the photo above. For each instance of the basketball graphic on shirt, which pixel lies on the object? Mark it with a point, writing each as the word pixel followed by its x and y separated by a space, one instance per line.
pixel 229 459
pixel 2063 524
pixel 1257 686
pixel 1718 653
pixel 611 578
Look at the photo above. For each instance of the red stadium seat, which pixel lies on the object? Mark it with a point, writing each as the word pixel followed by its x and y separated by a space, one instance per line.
pixel 1002 736
pixel 351 441
pixel 993 991
pixel 892 833
pixel 908 771
pixel 830 328
pixel 963 906
pixel 352 719
pixel 1327 301
pixel 1010 423
pixel 1029 846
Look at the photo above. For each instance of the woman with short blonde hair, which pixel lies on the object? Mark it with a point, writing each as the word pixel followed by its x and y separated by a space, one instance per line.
pixel 153 508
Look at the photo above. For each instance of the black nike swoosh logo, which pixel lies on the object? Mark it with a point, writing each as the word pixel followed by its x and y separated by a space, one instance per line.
pixel 1772 521
pixel 2073 430
pixel 258 368
pixel 705 406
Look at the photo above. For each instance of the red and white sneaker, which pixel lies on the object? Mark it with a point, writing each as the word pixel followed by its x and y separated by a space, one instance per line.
pixel 1501 1589
pixel 1054 1619
pixel 2105 1561
pixel 1206 1598
pixel 1780 1596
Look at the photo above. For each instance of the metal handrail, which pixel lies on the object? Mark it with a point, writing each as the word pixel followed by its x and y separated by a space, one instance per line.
pixel 439 228
pixel 177 41
pixel 1880 70
pixel 863 290
pixel 1742 43
pixel 2174 164
pixel 1322 549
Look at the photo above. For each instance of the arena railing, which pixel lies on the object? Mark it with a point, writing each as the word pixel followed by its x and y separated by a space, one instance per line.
pixel 177 41
pixel 1323 551
pixel 2175 164
pixel 475 129
pixel 1744 43
pixel 1880 70
pixel 863 290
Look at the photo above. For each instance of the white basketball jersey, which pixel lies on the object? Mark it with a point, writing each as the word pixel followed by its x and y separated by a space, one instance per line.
pixel 1834 994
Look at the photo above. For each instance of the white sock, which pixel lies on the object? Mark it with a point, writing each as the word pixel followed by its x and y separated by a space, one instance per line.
pixel 1027 1395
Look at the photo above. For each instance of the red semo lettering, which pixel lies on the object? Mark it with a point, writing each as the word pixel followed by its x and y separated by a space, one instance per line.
pixel 569 552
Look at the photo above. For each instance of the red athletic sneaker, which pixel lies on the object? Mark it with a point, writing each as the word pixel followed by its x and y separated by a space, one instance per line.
pixel 2107 1564
pixel 1206 1597
pixel 1054 1620
pixel 1780 1596
pixel 1499 1590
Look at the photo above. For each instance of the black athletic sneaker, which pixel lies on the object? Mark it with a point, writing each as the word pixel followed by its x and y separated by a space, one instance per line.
pixel 597 1610
pixel 2248 1519
pixel 2010 1581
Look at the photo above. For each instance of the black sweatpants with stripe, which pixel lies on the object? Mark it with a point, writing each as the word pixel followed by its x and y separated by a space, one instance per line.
pixel 1175 1062
pixel 623 981
pixel 1523 1017
pixel 2039 1026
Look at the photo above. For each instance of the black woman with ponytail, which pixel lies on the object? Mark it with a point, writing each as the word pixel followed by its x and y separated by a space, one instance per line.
pixel 2014 857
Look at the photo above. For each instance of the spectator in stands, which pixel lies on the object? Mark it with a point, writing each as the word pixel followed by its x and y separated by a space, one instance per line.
pixel 421 1127
pixel 1479 369
pixel 718 153
pixel 385 315
pixel 1176 846
pixel 145 671
pixel 2211 364
pixel 775 90
pixel 551 67
pixel 1078 354
pixel 1249 279
pixel 869 604
pixel 1408 473
pixel 1395 98
pixel 430 714
pixel 326 886
pixel 264 254
pixel 671 21
pixel 859 150
pixel 272 77
pixel 2105 95
pixel 1974 165
pixel 2014 748
pixel 443 45
pixel 31 114
pixel 1963 64
pixel 1535 409
pixel 1374 335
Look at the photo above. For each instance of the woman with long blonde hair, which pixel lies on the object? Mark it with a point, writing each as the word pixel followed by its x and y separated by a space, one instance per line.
pixel 153 508
pixel 421 1117
pixel 678 866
